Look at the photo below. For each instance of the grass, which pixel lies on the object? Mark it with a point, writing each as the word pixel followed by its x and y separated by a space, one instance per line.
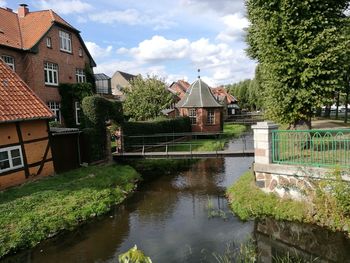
pixel 328 207
pixel 38 210
pixel 248 201
pixel 213 144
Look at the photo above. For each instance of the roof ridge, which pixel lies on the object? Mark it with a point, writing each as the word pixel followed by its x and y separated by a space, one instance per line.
pixel 20 30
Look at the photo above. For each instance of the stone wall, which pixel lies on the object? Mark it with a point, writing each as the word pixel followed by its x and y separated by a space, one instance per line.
pixel 290 181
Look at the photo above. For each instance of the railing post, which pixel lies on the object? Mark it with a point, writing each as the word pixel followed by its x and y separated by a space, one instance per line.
pixel 263 141
pixel 143 149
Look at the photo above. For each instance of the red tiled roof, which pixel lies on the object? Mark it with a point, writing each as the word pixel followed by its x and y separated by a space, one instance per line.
pixel 25 32
pixel 180 87
pixel 222 92
pixel 17 100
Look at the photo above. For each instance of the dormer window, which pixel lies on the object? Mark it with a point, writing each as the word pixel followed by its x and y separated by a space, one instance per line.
pixel 10 61
pixel 48 42
pixel 65 41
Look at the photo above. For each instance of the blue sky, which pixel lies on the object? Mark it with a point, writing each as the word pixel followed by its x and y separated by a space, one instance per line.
pixel 169 38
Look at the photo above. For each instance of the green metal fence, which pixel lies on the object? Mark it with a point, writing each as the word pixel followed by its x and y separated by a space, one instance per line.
pixel 321 148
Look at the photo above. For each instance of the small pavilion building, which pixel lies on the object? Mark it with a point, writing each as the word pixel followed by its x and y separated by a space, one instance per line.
pixel 199 104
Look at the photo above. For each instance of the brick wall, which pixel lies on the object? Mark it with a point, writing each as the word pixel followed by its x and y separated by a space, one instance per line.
pixel 201 125
pixel 30 66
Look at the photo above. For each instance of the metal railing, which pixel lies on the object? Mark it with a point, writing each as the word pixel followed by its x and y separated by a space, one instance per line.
pixel 321 148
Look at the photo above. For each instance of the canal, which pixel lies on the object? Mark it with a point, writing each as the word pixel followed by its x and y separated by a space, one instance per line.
pixel 184 217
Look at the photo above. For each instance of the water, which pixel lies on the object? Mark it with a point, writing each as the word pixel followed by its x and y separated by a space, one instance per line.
pixel 168 219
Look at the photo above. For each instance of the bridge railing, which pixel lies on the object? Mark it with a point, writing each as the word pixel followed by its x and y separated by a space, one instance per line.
pixel 184 142
pixel 320 148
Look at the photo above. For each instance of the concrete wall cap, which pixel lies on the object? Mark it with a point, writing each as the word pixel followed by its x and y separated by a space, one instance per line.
pixel 265 125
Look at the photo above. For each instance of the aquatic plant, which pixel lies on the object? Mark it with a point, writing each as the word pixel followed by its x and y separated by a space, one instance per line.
pixel 134 255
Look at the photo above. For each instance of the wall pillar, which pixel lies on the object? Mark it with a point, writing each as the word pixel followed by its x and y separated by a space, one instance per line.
pixel 263 141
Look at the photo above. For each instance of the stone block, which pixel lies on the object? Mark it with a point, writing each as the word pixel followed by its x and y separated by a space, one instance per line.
pixel 260 183
pixel 273 185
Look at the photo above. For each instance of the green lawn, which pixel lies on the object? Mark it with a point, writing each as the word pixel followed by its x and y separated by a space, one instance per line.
pixel 37 210
pixel 213 144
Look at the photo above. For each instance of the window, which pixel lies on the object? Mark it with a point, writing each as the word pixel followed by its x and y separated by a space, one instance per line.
pixel 77 113
pixel 48 42
pixel 102 86
pixel 80 75
pixel 10 61
pixel 80 52
pixel 210 117
pixel 55 107
pixel 65 41
pixel 51 73
pixel 10 158
pixel 192 113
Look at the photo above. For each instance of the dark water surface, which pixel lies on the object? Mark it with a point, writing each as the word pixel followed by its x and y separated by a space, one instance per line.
pixel 168 219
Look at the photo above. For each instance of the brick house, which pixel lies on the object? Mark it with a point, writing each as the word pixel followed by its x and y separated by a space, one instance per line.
pixel 199 104
pixel 229 102
pixel 25 151
pixel 44 50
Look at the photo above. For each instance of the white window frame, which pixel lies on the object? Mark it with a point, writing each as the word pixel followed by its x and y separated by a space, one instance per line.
pixel 10 158
pixel 49 42
pixel 210 116
pixel 65 41
pixel 77 112
pixel 80 52
pixel 192 114
pixel 55 107
pixel 9 60
pixel 51 73
pixel 80 75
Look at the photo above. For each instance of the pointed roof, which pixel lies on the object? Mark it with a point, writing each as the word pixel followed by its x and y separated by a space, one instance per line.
pixel 198 95
pixel 127 76
pixel 17 101
pixel 25 32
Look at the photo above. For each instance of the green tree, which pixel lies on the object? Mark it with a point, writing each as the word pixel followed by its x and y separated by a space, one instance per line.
pixel 298 45
pixel 146 98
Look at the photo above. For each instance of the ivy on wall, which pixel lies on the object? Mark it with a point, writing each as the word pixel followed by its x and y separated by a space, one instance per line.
pixel 71 93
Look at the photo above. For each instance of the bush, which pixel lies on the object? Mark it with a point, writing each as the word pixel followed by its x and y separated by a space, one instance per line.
pixel 97 111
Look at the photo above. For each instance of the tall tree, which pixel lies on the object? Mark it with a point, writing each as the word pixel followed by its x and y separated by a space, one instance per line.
pixel 298 45
pixel 146 98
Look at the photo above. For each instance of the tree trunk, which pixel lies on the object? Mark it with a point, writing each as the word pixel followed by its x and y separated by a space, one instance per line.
pixel 337 103
pixel 346 106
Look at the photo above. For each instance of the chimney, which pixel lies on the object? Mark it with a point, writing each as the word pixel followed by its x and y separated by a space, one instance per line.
pixel 23 10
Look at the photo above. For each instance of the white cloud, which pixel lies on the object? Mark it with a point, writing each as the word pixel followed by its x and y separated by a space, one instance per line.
pixel 159 48
pixel 98 52
pixel 3 3
pixel 234 27
pixel 64 6
pixel 132 17
pixel 221 62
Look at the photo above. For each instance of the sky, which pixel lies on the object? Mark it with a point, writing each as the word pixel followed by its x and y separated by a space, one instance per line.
pixel 167 38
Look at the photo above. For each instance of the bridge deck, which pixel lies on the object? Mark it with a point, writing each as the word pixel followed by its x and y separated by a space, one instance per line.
pixel 184 155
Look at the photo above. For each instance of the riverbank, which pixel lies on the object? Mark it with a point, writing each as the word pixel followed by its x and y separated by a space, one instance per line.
pixel 41 209
pixel 247 201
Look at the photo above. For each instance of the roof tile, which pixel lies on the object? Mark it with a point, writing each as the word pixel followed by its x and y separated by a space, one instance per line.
pixel 17 100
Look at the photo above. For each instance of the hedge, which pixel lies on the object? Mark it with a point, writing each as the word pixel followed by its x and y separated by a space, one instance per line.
pixel 176 125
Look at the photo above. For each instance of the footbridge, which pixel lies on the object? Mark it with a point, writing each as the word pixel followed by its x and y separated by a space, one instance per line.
pixel 185 146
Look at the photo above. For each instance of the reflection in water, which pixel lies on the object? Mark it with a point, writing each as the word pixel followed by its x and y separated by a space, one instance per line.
pixel 168 219
pixel 276 239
